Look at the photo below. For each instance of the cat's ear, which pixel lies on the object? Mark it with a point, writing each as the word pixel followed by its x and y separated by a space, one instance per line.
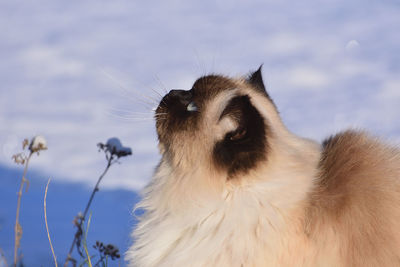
pixel 245 145
pixel 256 80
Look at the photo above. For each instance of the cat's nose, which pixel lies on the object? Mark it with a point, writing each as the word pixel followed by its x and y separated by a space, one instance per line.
pixel 184 97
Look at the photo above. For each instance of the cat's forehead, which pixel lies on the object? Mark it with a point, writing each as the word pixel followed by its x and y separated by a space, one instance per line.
pixel 209 86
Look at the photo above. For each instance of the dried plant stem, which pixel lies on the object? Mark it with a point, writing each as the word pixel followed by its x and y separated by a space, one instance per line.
pixel 17 227
pixel 85 242
pixel 96 188
pixel 47 227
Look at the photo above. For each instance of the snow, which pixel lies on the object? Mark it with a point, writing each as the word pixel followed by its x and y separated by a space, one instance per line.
pixel 38 143
pixel 115 146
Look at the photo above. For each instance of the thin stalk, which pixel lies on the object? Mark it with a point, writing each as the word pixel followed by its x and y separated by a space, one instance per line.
pixel 17 227
pixel 96 188
pixel 85 244
pixel 47 227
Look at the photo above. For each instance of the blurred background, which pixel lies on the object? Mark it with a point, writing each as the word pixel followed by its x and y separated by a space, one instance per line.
pixel 80 72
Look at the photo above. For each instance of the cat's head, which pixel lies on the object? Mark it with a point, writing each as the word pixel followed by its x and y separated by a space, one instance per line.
pixel 221 124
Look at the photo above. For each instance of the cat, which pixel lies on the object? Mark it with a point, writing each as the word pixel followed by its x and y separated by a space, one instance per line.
pixel 235 187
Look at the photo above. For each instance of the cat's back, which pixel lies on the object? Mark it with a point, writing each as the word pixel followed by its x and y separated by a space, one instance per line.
pixel 355 165
pixel 356 201
pixel 355 160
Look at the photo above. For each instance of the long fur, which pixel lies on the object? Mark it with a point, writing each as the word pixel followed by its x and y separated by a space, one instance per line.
pixel 309 204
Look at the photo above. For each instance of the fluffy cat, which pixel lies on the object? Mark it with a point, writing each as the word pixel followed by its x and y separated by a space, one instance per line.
pixel 235 188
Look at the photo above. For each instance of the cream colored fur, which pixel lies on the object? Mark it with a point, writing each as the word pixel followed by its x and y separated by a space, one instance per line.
pixel 196 217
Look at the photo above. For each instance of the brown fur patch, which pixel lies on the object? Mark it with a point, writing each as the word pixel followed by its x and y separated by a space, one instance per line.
pixel 207 87
pixel 357 199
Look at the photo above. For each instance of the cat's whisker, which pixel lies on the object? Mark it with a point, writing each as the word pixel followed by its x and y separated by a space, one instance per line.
pixel 127 92
pixel 138 114
pixel 132 116
pixel 126 112
pixel 161 83
pixel 156 92
pixel 135 119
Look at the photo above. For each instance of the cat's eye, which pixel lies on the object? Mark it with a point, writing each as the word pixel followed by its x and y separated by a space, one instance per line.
pixel 191 107
pixel 238 134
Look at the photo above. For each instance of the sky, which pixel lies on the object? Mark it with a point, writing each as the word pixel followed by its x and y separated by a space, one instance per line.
pixel 80 72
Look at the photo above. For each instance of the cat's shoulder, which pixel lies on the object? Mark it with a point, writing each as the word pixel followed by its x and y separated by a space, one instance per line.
pixel 356 159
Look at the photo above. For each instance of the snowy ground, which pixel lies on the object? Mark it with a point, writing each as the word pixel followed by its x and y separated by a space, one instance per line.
pixel 79 72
